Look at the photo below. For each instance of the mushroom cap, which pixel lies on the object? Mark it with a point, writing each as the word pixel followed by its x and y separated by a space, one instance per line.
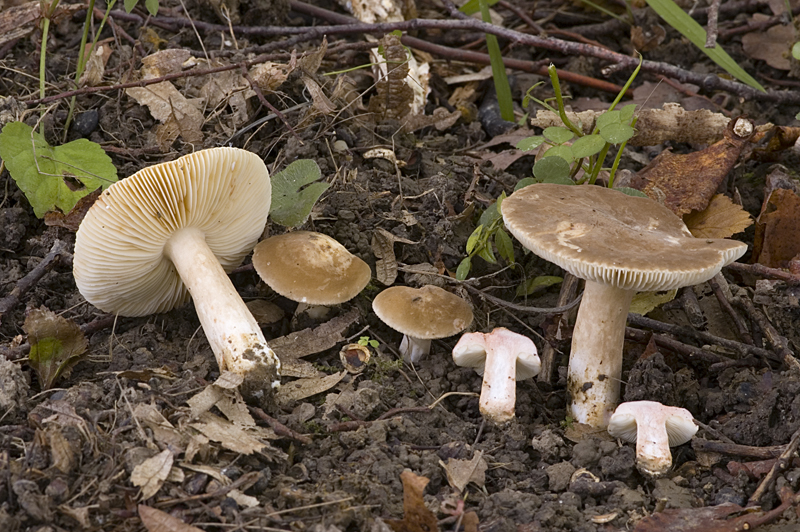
pixel 602 235
pixel 470 351
pixel 119 264
pixel 678 421
pixel 427 313
pixel 311 268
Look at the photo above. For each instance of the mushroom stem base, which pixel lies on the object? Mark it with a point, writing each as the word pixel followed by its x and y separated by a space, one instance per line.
pixel 234 335
pixel 595 362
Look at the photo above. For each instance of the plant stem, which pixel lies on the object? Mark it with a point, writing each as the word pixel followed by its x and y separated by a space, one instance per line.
pixel 560 100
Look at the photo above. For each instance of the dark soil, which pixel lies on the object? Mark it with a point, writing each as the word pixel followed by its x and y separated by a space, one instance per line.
pixel 67 454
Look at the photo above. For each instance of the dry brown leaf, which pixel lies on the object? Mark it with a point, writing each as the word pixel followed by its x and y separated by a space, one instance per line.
pixel 383 248
pixel 163 431
pixel 265 312
pixel 777 239
pixel 73 219
pixel 772 46
pixel 64 456
pixel 155 520
pixel 203 401
pixel 227 434
pixel 417 517
pixel 721 219
pixel 303 388
pixel 268 76
pixel 81 515
pixel 164 62
pixel 57 344
pixel 21 20
pixel 96 63
pixel 151 474
pixel 461 472
pixel 394 96
pixel 441 119
pixel 310 341
pixel 298 368
pixel 686 182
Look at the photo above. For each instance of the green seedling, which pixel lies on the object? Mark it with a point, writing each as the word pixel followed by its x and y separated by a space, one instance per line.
pixel 489 231
pixel 151 5
pixel 54 177
pixel 295 190
pixel 366 341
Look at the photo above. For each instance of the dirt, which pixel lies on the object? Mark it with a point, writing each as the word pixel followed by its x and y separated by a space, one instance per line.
pixel 67 454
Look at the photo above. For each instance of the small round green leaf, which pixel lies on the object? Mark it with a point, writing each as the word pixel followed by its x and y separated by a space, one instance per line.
pixel 551 168
pixel 617 133
pixel 558 135
pixel 588 146
pixel 463 269
pixel 565 152
pixel 524 182
pixel 626 113
pixel 631 192
pixel 530 143
pixel 606 119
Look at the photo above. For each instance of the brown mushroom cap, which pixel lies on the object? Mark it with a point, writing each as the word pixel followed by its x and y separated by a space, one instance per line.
pixel 119 263
pixel 310 268
pixel 603 235
pixel 427 313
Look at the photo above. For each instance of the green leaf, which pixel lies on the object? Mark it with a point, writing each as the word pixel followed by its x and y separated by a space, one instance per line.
pixel 57 344
pixel 130 4
pixel 487 254
pixel 295 190
pixel 796 50
pixel 152 7
pixel 474 238
pixel 631 192
pixel 626 113
pixel 505 246
pixel 473 6
pixel 524 182
pixel 489 216
pixel 537 283
pixel 463 269
pixel 617 133
pixel 608 118
pixel 587 146
pixel 559 135
pixel 551 168
pixel 644 302
pixel 54 177
pixel 692 30
pixel 563 151
pixel 530 143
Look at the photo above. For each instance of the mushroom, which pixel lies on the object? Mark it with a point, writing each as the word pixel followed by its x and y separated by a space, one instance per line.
pixel 655 428
pixel 421 314
pixel 172 231
pixel 503 357
pixel 619 244
pixel 310 268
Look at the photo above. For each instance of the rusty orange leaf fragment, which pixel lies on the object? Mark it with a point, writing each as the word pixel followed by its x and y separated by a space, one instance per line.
pixel 721 219
pixel 417 517
pixel 686 182
pixel 777 239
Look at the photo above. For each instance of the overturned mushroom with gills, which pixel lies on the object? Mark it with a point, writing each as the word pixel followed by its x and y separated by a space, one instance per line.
pixel 172 231
pixel 619 245
pixel 421 314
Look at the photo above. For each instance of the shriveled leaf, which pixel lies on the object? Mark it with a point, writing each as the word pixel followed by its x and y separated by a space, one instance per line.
pixel 155 520
pixel 303 388
pixel 151 474
pixel 295 190
pixel 57 344
pixel 417 517
pixel 54 177
pixel 721 219
pixel 178 115
pixel 777 239
pixel 644 302
pixel 230 436
pixel 310 341
pixel 537 283
pixel 72 220
pixel 461 472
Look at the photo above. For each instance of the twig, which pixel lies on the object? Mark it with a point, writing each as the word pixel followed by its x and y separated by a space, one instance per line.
pixel 556 322
pixel 711 25
pixel 58 252
pixel 778 342
pixel 691 307
pixel 716 284
pixel 762 453
pixel 265 103
pixel 241 483
pixel 760 270
pixel 694 353
pixel 780 466
pixel 353 425
pixel 522 308
pixel 279 428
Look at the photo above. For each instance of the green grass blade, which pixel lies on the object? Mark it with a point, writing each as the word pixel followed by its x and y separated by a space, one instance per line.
pixel 501 85
pixel 689 28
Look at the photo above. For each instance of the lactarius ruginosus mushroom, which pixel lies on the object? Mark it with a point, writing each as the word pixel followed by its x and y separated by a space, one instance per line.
pixel 503 357
pixel 172 231
pixel 655 428
pixel 620 245
pixel 421 314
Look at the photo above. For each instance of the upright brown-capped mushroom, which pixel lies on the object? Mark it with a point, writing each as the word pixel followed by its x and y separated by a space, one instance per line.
pixel 172 231
pixel 620 245
pixel 421 314
pixel 503 357
pixel 310 268
pixel 655 428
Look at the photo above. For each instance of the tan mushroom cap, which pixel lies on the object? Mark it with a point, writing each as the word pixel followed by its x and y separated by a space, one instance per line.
pixel 427 313
pixel 310 268
pixel 603 235
pixel 119 264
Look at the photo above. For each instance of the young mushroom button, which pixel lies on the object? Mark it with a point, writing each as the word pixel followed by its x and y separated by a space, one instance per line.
pixel 503 357
pixel 172 231
pixel 421 314
pixel 620 245
pixel 310 268
pixel 655 428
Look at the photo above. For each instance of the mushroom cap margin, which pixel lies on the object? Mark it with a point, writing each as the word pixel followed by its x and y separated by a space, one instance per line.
pixel 427 313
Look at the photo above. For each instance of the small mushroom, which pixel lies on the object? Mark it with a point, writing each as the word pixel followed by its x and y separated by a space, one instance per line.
pixel 421 314
pixel 619 244
pixel 172 231
pixel 310 268
pixel 503 357
pixel 655 428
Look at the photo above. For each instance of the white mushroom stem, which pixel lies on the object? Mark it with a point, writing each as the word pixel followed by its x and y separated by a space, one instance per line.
pixel 655 428
pixel 233 333
pixel 595 362
pixel 413 349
